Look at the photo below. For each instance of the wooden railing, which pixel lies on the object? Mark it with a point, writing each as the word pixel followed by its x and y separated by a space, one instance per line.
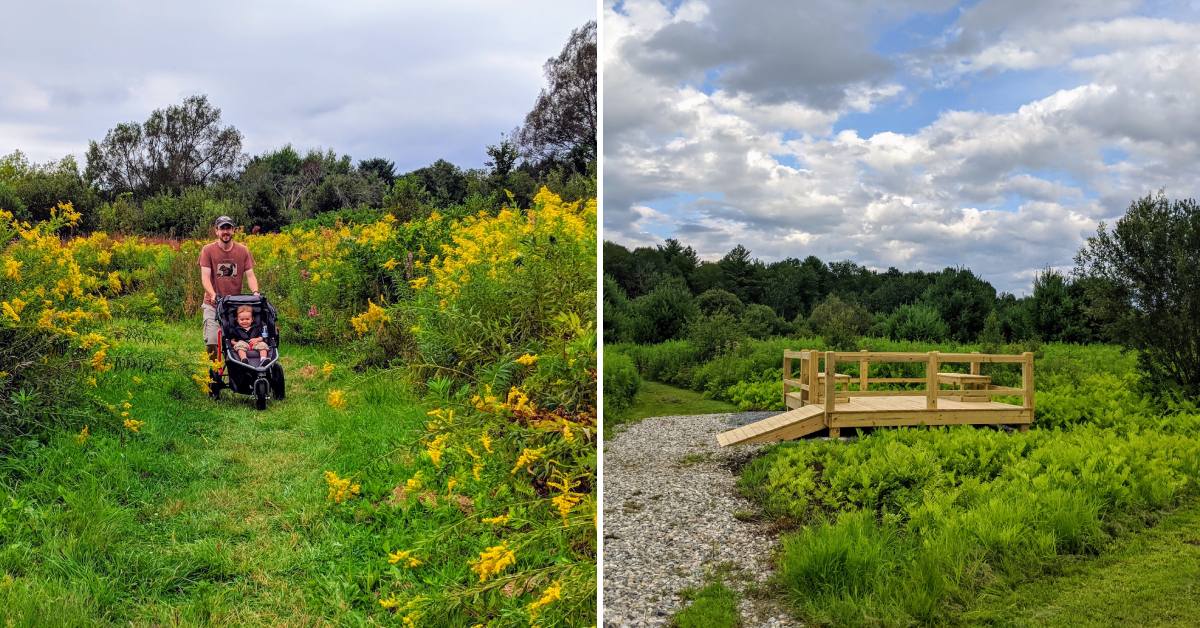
pixel 815 364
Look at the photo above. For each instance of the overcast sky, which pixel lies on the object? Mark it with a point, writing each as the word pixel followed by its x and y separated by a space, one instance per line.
pixel 409 81
pixel 911 133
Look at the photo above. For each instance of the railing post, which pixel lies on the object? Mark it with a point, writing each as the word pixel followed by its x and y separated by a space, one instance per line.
pixel 787 374
pixel 862 374
pixel 830 395
pixel 931 381
pixel 974 366
pixel 1027 384
pixel 814 392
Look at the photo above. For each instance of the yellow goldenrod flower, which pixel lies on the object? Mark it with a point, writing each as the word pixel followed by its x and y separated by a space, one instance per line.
pixel 476 470
pixel 133 425
pixel 390 264
pixel 327 369
pixel 12 269
pixel 374 317
pixel 10 312
pixel 336 399
pixel 527 457
pixel 340 489
pixel 566 499
pixel 418 283
pixel 565 502
pixel 83 435
pixel 98 363
pixel 450 484
pixel 389 603
pixel 497 520
pixel 486 441
pixel 435 449
pixel 493 560
pixel 404 556
pixel 518 401
pixel 550 595
pixel 527 359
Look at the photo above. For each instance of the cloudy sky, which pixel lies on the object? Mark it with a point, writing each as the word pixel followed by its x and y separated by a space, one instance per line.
pixel 409 81
pixel 911 133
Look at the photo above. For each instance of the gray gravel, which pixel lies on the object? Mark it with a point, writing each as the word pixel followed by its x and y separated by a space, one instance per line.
pixel 669 504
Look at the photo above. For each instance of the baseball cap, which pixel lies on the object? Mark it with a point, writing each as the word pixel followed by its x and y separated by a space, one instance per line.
pixel 222 221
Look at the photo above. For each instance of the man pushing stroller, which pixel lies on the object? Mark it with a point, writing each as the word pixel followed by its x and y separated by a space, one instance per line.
pixel 223 265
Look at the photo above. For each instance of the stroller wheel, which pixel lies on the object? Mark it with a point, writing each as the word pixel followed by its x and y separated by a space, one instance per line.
pixel 260 394
pixel 277 391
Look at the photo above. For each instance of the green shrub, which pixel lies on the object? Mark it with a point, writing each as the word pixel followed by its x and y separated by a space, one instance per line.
pixel 916 322
pixel 621 381
pixel 764 395
pixel 714 334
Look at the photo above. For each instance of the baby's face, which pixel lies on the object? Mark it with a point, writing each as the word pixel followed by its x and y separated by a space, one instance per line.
pixel 244 319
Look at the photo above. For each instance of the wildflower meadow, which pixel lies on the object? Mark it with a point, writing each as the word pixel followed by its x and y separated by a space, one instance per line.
pixel 434 462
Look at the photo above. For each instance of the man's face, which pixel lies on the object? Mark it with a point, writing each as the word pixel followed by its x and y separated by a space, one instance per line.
pixel 245 318
pixel 225 233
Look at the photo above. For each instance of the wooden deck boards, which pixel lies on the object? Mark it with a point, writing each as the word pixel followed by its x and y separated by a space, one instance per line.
pixel 893 411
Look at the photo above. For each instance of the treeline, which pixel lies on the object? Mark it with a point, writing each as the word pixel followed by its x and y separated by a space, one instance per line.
pixel 666 292
pixel 1136 284
pixel 174 173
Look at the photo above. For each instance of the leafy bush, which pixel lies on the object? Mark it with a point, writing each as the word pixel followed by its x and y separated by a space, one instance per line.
pixel 916 322
pixel 760 321
pixel 764 395
pixel 52 301
pixel 714 334
pixel 621 381
pixel 840 323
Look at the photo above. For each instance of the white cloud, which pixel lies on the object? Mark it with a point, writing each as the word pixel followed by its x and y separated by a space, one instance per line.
pixel 412 82
pixel 1004 193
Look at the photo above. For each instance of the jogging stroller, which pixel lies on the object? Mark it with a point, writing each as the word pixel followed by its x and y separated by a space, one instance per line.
pixel 260 377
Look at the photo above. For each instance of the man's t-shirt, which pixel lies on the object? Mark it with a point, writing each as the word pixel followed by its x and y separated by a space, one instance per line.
pixel 228 267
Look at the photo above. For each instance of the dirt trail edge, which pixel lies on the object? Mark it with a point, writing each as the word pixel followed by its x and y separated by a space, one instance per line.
pixel 669 518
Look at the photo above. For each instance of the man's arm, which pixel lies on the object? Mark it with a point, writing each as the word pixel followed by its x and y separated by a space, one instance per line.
pixel 252 281
pixel 206 279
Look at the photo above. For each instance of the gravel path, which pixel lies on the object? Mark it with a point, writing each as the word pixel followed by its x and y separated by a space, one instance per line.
pixel 669 504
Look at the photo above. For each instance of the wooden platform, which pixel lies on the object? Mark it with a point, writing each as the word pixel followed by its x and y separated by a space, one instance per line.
pixel 821 398
pixel 874 412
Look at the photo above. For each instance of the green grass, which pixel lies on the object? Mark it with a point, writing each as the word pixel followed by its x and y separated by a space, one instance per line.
pixel 1151 579
pixel 655 399
pixel 713 606
pixel 217 514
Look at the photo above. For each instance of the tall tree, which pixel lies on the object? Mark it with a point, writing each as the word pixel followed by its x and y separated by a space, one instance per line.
pixel 562 125
pixel 178 147
pixel 1148 265
pixel 380 168
pixel 962 300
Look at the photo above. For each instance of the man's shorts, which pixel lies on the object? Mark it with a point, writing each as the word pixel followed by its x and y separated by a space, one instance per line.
pixel 211 326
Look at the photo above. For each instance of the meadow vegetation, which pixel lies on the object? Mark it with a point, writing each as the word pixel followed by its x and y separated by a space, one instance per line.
pixel 477 501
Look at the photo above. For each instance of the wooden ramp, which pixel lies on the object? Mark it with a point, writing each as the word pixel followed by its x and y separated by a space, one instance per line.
pixel 786 426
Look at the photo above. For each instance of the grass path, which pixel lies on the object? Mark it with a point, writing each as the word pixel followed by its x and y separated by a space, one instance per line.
pixel 214 513
pixel 1149 579
pixel 657 399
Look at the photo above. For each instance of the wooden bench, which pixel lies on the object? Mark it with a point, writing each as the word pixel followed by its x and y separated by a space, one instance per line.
pixel 969 386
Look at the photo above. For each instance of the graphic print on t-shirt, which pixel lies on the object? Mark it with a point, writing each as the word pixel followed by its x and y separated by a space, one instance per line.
pixel 226 269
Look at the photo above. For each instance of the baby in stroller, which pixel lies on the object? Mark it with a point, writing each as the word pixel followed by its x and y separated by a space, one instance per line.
pixel 243 337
